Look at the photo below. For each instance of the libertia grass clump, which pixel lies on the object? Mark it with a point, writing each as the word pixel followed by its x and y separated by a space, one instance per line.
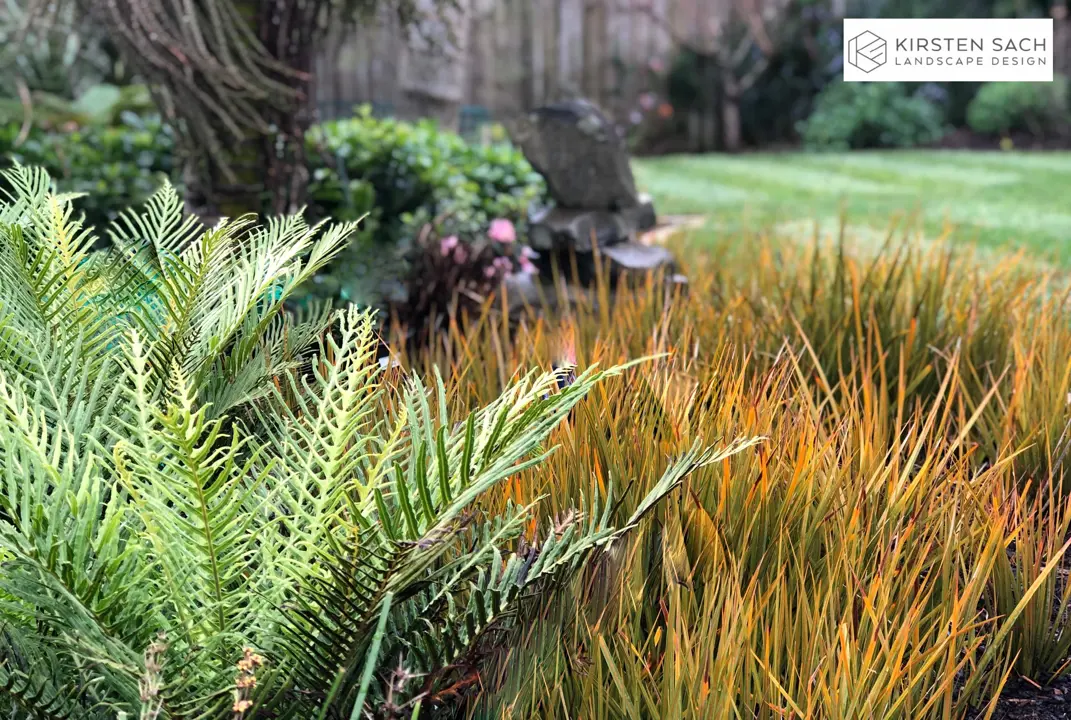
pixel 895 548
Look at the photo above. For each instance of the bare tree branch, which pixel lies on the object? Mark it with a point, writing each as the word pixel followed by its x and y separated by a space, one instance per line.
pixel 27 111
pixel 749 12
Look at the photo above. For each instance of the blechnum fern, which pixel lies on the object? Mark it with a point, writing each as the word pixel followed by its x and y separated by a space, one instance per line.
pixel 205 510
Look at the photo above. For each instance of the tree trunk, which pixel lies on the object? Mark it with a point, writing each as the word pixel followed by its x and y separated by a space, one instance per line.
pixel 264 173
pixel 730 120
pixel 228 186
pixel 731 132
pixel 1061 37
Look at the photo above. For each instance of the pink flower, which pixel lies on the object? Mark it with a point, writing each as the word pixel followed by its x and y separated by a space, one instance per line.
pixel 656 65
pixel 498 266
pixel 648 100
pixel 502 266
pixel 502 231
pixel 461 254
pixel 527 252
pixel 527 267
pixel 447 244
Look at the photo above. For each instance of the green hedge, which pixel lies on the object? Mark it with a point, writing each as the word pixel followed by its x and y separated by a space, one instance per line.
pixel 871 115
pixel 117 166
pixel 402 175
pixel 1040 109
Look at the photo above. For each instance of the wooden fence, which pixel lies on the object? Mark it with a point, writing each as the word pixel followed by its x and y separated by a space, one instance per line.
pixel 511 55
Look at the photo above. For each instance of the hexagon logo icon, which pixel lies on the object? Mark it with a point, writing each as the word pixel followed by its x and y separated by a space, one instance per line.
pixel 866 51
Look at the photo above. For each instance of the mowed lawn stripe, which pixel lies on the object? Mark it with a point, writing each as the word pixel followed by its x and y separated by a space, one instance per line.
pixel 1053 163
pixel 914 170
pixel 772 171
pixel 688 193
pixel 998 200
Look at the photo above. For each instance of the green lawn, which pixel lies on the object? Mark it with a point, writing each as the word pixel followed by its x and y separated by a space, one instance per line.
pixel 995 199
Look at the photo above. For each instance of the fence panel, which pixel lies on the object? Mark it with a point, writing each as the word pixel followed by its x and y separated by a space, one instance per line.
pixel 518 54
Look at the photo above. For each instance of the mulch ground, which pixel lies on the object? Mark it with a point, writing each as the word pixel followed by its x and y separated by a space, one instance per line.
pixel 964 139
pixel 959 139
pixel 1024 701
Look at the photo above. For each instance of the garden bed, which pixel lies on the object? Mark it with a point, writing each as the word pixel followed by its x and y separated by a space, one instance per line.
pixel 671 226
pixel 1023 700
pixel 965 139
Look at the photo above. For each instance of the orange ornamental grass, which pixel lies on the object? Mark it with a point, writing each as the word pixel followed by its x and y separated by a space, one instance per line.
pixel 894 549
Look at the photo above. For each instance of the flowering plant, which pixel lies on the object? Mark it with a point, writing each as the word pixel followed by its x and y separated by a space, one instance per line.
pixel 452 271
pixel 651 114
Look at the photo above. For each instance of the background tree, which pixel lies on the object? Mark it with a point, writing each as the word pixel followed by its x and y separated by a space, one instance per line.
pixel 234 77
pixel 733 53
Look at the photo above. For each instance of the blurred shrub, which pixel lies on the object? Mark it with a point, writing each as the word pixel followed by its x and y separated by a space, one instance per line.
pixel 406 176
pixel 806 63
pixel 102 104
pixel 871 115
pixel 810 57
pixel 1037 108
pixel 400 176
pixel 118 166
pixel 60 70
pixel 67 105
pixel 651 120
pixel 692 82
pixel 58 55
pixel 777 88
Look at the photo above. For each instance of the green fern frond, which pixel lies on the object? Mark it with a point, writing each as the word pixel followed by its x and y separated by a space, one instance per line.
pixel 453 577
pixel 29 190
pixel 180 457
pixel 47 282
pixel 195 492
pixel 29 685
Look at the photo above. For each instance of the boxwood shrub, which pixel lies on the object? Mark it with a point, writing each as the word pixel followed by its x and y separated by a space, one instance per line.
pixel 405 175
pixel 851 116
